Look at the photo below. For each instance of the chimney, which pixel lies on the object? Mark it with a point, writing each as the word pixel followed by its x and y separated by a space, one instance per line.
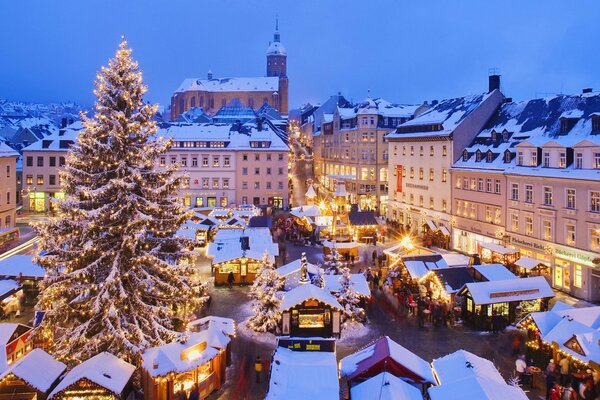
pixel 586 90
pixel 209 75
pixel 63 123
pixel 494 82
pixel 434 102
pixel 259 124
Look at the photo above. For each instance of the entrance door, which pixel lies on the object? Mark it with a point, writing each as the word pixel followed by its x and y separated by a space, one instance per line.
pixel 595 288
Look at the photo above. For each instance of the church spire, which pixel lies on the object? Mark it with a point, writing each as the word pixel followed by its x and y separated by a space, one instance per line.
pixel 276 36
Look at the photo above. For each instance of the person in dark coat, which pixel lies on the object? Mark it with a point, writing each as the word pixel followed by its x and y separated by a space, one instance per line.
pixel 550 381
pixel 195 393
pixel 180 395
pixel 230 279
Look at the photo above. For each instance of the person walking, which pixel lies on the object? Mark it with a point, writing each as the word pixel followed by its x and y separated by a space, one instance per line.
pixel 258 367
pixel 550 381
pixel 230 279
pixel 564 365
pixel 180 395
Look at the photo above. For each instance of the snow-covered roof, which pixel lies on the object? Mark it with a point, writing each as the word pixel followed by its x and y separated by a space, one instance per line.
pixel 276 48
pixel 178 356
pixel 449 113
pixel 418 265
pixel 462 364
pixel 227 245
pixel 528 263
pixel 294 266
pixel 57 141
pixel 301 375
pixel 494 272
pixel 357 281
pixel 37 368
pixel 498 248
pixel 455 259
pixel 387 387
pixel 7 330
pixel 8 287
pixel 21 264
pixel 310 192
pixel 508 290
pixel 104 369
pixel 364 359
pixel 249 84
pixel 7 151
pixel 340 245
pixel 305 292
pixel 305 211
pixel 226 325
pixel 475 387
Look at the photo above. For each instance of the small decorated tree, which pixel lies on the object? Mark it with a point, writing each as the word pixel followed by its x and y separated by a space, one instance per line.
pixel 349 298
pixel 333 264
pixel 265 302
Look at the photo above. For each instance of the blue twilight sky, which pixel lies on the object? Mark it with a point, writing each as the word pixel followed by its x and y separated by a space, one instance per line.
pixel 403 51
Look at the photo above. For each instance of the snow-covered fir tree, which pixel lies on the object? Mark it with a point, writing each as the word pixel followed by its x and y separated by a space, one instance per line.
pixel 332 263
pixel 265 303
pixel 317 279
pixel 349 298
pixel 113 282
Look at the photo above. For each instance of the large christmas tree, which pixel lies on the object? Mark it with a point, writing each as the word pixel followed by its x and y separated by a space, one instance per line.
pixel 113 281
pixel 265 305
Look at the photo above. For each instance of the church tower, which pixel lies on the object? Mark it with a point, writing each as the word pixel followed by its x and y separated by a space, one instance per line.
pixel 277 66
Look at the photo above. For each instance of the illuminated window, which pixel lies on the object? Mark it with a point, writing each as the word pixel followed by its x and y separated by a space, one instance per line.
pixel 578 278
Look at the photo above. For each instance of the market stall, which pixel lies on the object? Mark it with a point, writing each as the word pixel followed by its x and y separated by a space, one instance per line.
pixel 310 311
pixel 444 283
pixel 498 303
pixel 531 267
pixel 32 377
pixel 21 268
pixel 492 272
pixel 196 359
pixel 16 340
pixel 343 248
pixel 102 377
pixel 388 386
pixel 363 226
pixel 496 253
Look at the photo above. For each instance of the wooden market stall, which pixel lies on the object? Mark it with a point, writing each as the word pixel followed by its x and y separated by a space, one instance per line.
pixel 502 302
pixel 492 272
pixel 343 248
pixel 496 253
pixel 16 340
pixel 309 311
pixel 102 377
pixel 21 268
pixel 195 362
pixel 363 226
pixel 32 377
pixel 531 267
pixel 444 283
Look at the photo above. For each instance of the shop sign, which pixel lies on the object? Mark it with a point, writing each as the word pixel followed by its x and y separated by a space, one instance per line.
pixel 307 344
pixel 514 293
pixel 526 243
pixel 412 185
pixel 574 255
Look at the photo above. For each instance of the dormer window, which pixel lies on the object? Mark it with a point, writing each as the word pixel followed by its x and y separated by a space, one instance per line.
pixel 562 161
pixel 489 156
pixel 465 155
pixel 478 155
pixel 595 123
pixel 505 136
pixel 507 156
pixel 494 136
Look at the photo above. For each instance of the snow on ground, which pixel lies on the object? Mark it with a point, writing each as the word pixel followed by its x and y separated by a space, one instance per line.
pixel 353 331
pixel 266 338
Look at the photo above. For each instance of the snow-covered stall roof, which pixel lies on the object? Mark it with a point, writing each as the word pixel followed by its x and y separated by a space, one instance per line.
pixel 305 211
pixel 301 375
pixel 305 292
pixel 227 245
pixel 20 265
pixel 185 355
pixel 475 387
pixel 104 369
pixel 37 368
pixel 294 266
pixel 498 248
pixel 340 245
pixel 8 287
pixel 528 263
pixel 226 325
pixel 463 364
pixel 357 281
pixel 508 290
pixel 355 364
pixel 494 272
pixel 385 386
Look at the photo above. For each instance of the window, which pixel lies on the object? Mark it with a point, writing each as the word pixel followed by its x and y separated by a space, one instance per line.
pixel 478 155
pixel 570 234
pixel 53 161
pixel 528 193
pixel 280 157
pixel 29 161
pixel 29 179
pixel 205 183
pixel 215 161
pixel 244 185
pixel 488 185
pixel 431 202
pixel 596 160
pixel 403 171
pixel 547 229
pixel 444 175
pixel 514 222
pixel 226 162
pixel 562 161
pixel 162 161
pixel 268 184
pixel 194 161
pixel 256 185
pixel 473 210
pixel 465 155
pixel 514 191
pixel 534 161
pixel 412 172
pixel 215 182
pixel 245 157
pixel 421 201
pixel 473 184
pixel 61 161
pixel 507 156
pixel 268 170
pixel 421 173
pixel 52 179
pixel 444 205
pixel 205 161
pixel 458 181
pixel 546 159
pixel 268 156
pixel 173 160
pixel 256 171
pixel 465 183
pixel 40 179
pixel 488 214
pixel 577 279
pixel 480 184
pixel 578 160
pixel 403 150
pixel 547 196
pixel 595 238
pixel 497 186
pixel 7 202
pixel 280 170
pixel 520 158
pixel 570 203
pixel 595 202
pixel 280 185
pixel 528 225
pixel 412 150
pixel 184 161
pixel 431 173
pixel 444 151
pixel 257 157
pixel 489 156
pixel 225 183
pixel 431 151
pixel 224 202
pixel 421 151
